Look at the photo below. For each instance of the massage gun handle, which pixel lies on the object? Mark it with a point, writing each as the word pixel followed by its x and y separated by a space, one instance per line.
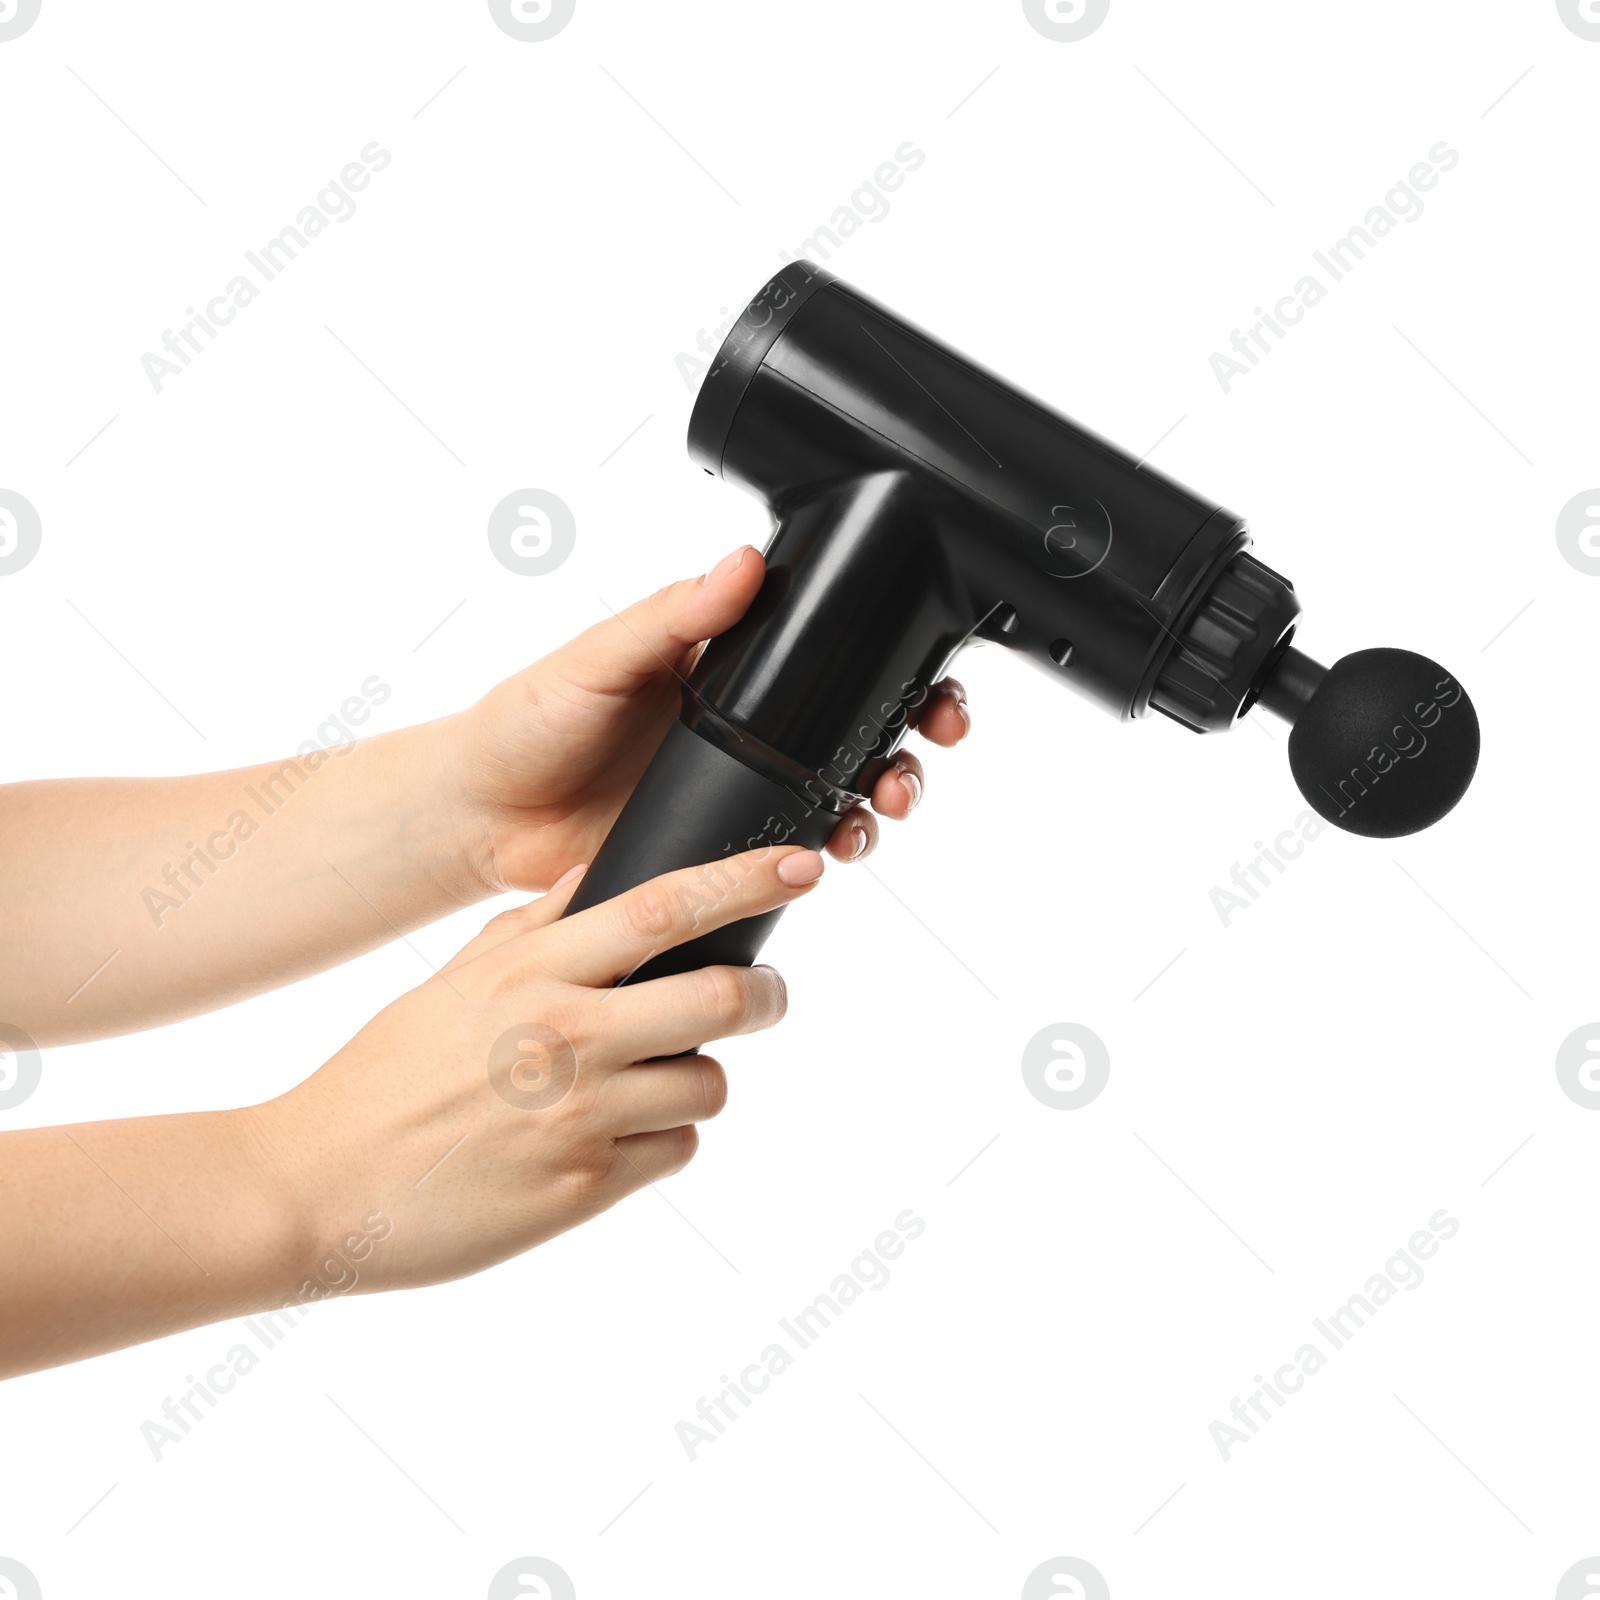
pixel 696 804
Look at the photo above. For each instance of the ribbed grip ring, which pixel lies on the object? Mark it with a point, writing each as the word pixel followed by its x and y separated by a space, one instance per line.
pixel 1214 672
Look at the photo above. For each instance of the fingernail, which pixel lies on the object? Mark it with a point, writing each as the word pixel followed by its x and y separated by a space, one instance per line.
pixel 913 786
pixel 728 564
pixel 858 841
pixel 966 717
pixel 804 866
pixel 568 876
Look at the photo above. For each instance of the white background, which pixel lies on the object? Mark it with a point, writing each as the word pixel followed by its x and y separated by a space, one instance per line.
pixel 1290 1099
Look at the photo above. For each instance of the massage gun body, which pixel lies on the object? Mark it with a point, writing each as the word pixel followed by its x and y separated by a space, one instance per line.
pixel 920 502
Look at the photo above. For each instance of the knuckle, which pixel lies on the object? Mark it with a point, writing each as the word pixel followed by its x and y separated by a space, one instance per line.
pixel 647 912
pixel 724 995
pixel 559 1014
pixel 572 1021
pixel 506 979
pixel 555 1014
pixel 688 1143
pixel 577 1113
pixel 713 1088
pixel 590 1170
pixel 536 1063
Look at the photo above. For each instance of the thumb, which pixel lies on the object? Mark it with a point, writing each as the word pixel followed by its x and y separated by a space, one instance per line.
pixel 527 917
pixel 651 637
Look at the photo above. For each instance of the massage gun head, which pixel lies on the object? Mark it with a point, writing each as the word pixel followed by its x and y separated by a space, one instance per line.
pixel 922 501
pixel 1384 742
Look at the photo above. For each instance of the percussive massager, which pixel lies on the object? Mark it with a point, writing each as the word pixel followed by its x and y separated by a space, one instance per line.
pixel 922 502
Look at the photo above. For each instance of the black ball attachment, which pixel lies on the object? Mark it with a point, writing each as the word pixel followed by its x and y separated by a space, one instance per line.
pixel 1384 742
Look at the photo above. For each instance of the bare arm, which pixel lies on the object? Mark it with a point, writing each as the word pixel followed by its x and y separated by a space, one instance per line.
pixel 132 902
pixel 118 1232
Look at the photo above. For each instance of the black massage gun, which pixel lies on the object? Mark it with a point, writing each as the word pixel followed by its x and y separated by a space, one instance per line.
pixel 922 502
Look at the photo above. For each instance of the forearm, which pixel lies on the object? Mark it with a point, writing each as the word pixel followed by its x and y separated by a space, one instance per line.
pixel 116 1232
pixel 133 902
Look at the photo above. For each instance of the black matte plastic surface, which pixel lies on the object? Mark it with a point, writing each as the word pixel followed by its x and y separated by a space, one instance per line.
pixel 1386 744
pixel 695 805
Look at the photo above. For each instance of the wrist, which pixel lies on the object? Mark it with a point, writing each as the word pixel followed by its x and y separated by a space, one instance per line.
pixel 468 818
pixel 333 1199
pixel 287 1200
pixel 437 824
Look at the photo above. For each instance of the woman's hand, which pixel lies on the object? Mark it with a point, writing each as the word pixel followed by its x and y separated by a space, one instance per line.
pixel 545 761
pixel 183 894
pixel 512 1096
pixel 518 1093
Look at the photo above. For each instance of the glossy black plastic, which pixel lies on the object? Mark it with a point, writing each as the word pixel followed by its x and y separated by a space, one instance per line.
pixel 921 500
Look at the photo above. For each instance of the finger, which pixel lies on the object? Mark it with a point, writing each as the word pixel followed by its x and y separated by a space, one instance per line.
pixel 855 837
pixel 943 717
pixel 623 653
pixel 899 787
pixel 649 1157
pixel 538 913
pixel 666 1095
pixel 666 1016
pixel 601 945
